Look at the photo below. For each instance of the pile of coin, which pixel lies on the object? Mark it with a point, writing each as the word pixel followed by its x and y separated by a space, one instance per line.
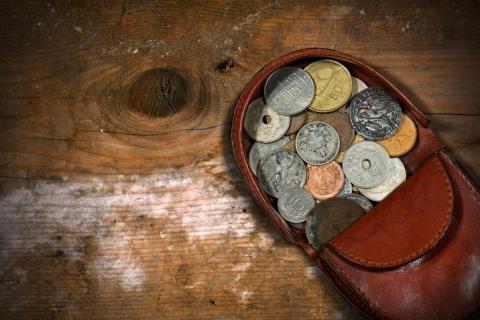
pixel 326 145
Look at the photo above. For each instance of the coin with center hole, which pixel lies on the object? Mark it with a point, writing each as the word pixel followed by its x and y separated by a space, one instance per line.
pixel 403 140
pixel 366 164
pixel 260 150
pixel 324 181
pixel 294 204
pixel 317 143
pixel 263 124
pixel 289 90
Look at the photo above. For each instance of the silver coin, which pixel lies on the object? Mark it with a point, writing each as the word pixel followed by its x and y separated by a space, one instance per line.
pixel 358 86
pixel 310 230
pixel 317 143
pixel 346 188
pixel 396 176
pixel 281 170
pixel 260 150
pixel 294 204
pixel 289 90
pixel 366 164
pixel 375 114
pixel 263 124
pixel 361 200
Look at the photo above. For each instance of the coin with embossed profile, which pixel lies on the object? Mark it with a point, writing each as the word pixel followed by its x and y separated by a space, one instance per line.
pixel 317 143
pixel 403 140
pixel 263 124
pixel 294 204
pixel 340 121
pixel 324 181
pixel 260 150
pixel 333 85
pixel 361 200
pixel 289 90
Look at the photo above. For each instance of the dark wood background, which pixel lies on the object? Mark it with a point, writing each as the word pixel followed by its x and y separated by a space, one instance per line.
pixel 119 197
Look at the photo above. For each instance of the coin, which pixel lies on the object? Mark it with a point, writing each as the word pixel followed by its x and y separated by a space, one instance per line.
pixel 403 140
pixel 340 121
pixel 279 171
pixel 396 176
pixel 366 164
pixel 333 85
pixel 341 154
pixel 358 86
pixel 289 90
pixel 290 146
pixel 259 150
pixel 330 218
pixel 324 181
pixel 346 188
pixel 263 124
pixel 296 122
pixel 375 114
pixel 317 143
pixel 294 204
pixel 361 200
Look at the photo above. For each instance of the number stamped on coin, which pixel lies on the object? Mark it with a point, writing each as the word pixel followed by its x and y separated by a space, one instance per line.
pixel 317 143
pixel 294 204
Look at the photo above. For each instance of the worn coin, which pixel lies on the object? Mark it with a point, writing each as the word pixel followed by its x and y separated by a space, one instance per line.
pixel 263 124
pixel 375 114
pixel 330 218
pixel 340 121
pixel 403 140
pixel 324 181
pixel 346 188
pixel 296 122
pixel 358 86
pixel 260 150
pixel 317 143
pixel 396 176
pixel 289 90
pixel 341 154
pixel 281 170
pixel 333 85
pixel 290 146
pixel 366 164
pixel 294 204
pixel 361 200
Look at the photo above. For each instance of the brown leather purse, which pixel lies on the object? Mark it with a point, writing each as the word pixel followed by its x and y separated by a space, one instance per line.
pixel 415 255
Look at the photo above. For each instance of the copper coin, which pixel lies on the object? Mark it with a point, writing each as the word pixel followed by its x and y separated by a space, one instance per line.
pixel 403 140
pixel 324 181
pixel 310 116
pixel 296 122
pixel 340 121
pixel 330 218
pixel 356 139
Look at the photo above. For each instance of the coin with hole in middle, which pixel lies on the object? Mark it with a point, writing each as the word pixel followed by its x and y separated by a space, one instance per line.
pixel 263 124
pixel 324 181
pixel 403 140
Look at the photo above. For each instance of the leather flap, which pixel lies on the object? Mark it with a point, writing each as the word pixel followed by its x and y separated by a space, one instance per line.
pixel 405 225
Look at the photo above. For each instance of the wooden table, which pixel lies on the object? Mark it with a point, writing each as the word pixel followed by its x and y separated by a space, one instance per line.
pixel 119 196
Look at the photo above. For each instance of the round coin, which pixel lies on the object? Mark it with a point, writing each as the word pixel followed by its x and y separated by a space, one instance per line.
pixel 330 218
pixel 403 140
pixel 317 143
pixel 260 150
pixel 358 86
pixel 296 122
pixel 289 90
pixel 333 85
pixel 263 124
pixel 324 181
pixel 361 200
pixel 375 114
pixel 346 188
pixel 341 154
pixel 279 171
pixel 366 164
pixel 396 176
pixel 340 121
pixel 294 204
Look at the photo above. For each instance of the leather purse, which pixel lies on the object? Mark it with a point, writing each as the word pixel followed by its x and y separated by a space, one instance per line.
pixel 416 254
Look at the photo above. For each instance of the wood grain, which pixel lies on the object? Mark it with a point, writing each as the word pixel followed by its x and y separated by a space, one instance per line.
pixel 118 193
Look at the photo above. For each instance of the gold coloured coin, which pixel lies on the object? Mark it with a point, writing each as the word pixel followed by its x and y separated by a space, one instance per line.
pixel 356 139
pixel 333 85
pixel 403 140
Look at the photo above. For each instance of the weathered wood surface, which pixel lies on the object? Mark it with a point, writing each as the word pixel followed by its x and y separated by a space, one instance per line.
pixel 119 197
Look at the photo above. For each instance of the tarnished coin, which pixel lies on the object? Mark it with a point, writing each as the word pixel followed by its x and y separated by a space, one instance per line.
pixel 279 171
pixel 366 164
pixel 333 85
pixel 403 140
pixel 330 218
pixel 294 204
pixel 310 116
pixel 361 200
pixel 260 150
pixel 263 124
pixel 346 188
pixel 296 122
pixel 340 121
pixel 375 114
pixel 324 181
pixel 290 146
pixel 289 90
pixel 396 176
pixel 358 86
pixel 317 143
pixel 356 138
